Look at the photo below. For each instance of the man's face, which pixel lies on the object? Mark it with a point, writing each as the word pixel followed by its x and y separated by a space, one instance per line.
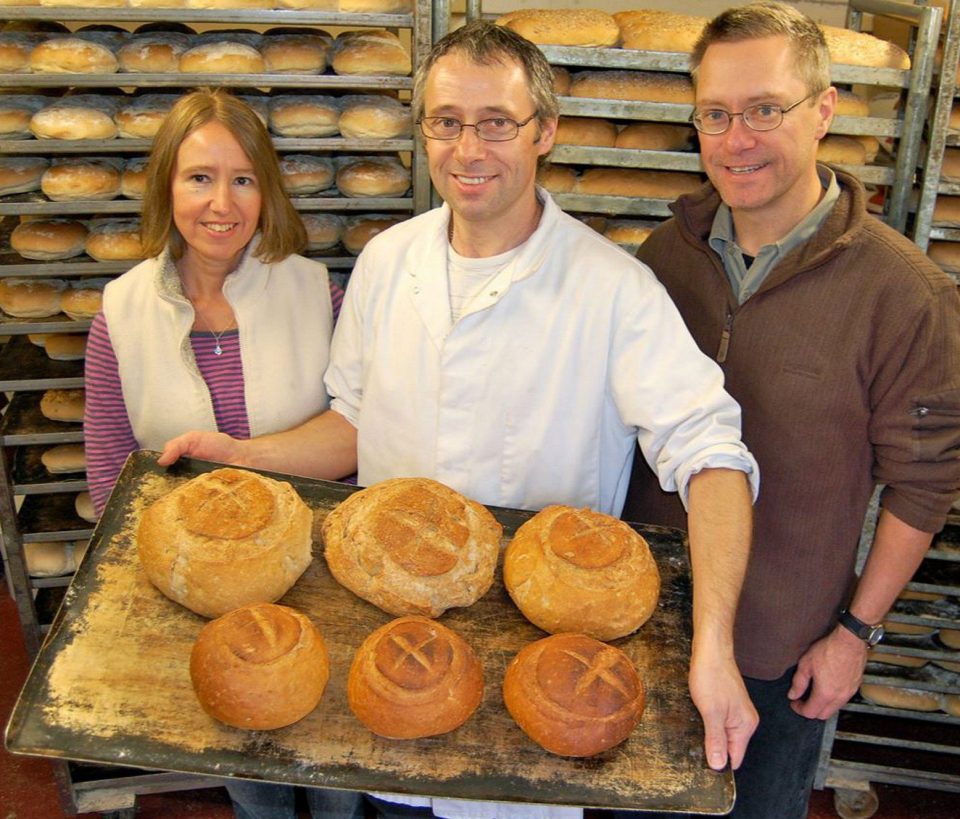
pixel 489 184
pixel 773 171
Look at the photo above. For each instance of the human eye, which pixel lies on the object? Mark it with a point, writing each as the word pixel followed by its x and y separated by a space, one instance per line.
pixel 765 111
pixel 713 116
pixel 198 178
pixel 245 181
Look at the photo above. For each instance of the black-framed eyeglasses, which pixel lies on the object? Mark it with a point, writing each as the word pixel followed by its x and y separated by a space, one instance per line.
pixel 764 116
pixel 494 129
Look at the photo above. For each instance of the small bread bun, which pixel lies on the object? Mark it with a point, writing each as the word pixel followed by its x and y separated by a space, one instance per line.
pixel 53 558
pixel 259 667
pixel 561 80
pixel 359 230
pixel 896 627
pixel 849 47
pixel 414 677
pixel 115 240
pixel 142 117
pixel 657 136
pixel 63 405
pixel 412 546
pixel 77 178
pixel 72 55
pixel 946 211
pixel 83 298
pixel 637 183
pixel 83 505
pixel 66 346
pixel 578 570
pixel 323 230
pixel 851 104
pixel 374 117
pixel 642 86
pixel 40 339
pixel 950 637
pixel 306 173
pixel 891 696
pixel 16 112
pixel 372 176
pixel 153 53
pixel 133 181
pixel 21 174
pixel 901 660
pixel 30 298
pixel 563 27
pixel 64 458
pixel 599 133
pixel 628 233
pixel 221 57
pixel 841 150
pixel 304 115
pixel 558 178
pixel 15 49
pixel 49 239
pixel 573 695
pixel 226 539
pixel 295 53
pixel 656 30
pixel 370 52
pixel 84 116
pixel 946 255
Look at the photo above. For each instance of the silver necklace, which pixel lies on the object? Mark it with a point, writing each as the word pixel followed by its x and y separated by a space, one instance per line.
pixel 217 349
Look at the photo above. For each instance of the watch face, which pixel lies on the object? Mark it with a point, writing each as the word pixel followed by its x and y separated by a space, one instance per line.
pixel 874 635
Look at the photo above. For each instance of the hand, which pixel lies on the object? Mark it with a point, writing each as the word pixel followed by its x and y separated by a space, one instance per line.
pixel 834 666
pixel 729 718
pixel 210 446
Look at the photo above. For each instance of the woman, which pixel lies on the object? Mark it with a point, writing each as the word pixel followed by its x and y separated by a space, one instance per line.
pixel 223 327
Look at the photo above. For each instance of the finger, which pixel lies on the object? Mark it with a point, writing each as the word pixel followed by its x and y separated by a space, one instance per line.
pixel 715 743
pixel 172 450
pixel 799 684
pixel 737 740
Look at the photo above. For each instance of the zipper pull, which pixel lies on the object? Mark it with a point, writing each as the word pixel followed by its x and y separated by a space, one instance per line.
pixel 725 338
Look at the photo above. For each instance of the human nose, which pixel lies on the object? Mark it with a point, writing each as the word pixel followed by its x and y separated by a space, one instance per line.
pixel 469 144
pixel 739 135
pixel 220 196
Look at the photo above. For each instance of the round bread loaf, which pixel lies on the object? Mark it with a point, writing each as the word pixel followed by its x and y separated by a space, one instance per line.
pixel 841 150
pixel 412 546
pixel 83 505
pixel 84 116
pixel 951 702
pixel 891 696
pixel 656 136
pixel 259 667
pixel 374 117
pixel 66 346
pixel 641 86
pixel 306 173
pixel 323 230
pixel 599 133
pixel 226 539
pixel 414 677
pixel 142 117
pixel 628 233
pixel 581 571
pixel 359 230
pixel 16 112
pixel 153 52
pixel 901 660
pixel 29 297
pixel 946 211
pixel 63 405
pixel 40 339
pixel 49 239
pixel 295 53
pixel 898 627
pixel 373 176
pixel 304 115
pixel 115 240
pixel 849 47
pixel 221 57
pixel 851 104
pixel 83 298
pixel 133 180
pixel 561 80
pixel 563 27
pixel 637 183
pixel 558 178
pixel 368 53
pixel 77 178
pixel 573 695
pixel 946 255
pixel 72 55
pixel 15 49
pixel 21 174
pixel 53 558
pixel 950 637
pixel 656 30
pixel 64 458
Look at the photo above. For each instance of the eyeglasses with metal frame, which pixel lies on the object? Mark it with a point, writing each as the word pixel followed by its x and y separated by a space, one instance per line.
pixel 494 129
pixel 764 116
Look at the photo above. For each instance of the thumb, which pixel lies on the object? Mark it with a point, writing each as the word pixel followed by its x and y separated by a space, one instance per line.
pixel 715 743
pixel 799 683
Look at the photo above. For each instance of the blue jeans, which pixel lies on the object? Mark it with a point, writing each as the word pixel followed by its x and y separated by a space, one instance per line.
pixel 267 800
pixel 776 777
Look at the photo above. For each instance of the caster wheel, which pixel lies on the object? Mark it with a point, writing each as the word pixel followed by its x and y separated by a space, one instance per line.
pixel 851 804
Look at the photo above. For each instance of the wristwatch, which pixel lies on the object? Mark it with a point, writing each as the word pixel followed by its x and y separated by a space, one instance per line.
pixel 871 635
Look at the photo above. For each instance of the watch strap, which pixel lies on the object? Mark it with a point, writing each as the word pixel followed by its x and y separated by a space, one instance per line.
pixel 870 634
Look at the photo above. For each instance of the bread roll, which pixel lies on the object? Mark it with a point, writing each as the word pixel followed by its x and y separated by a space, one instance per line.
pixel 72 55
pixel 573 695
pixel 368 53
pixel 946 255
pixel 49 239
pixel 901 660
pixel 115 240
pixel 15 49
pixel 64 458
pixel 323 230
pixel 30 298
pixel 414 677
pixel 656 30
pixel 66 346
pixel 951 704
pixel 857 48
pixel 581 571
pixel 641 86
pixel 21 174
pixel 226 539
pixel 294 53
pixel 84 116
pixel 375 117
pixel 53 558
pixel 304 115
pixel 221 57
pixel 557 178
pixel 63 405
pixel 841 150
pixel 946 211
pixel 412 546
pixel 561 80
pixel 306 173
pixel 629 233
pixel 373 176
pixel 896 627
pixel 599 133
pixel 851 104
pixel 142 117
pixel 359 230
pixel 77 178
pixel 83 505
pixel 16 112
pixel 657 136
pixel 637 183
pixel 563 27
pixel 153 53
pixel 83 298
pixel 909 699
pixel 259 667
pixel 133 180
pixel 950 637
pixel 913 594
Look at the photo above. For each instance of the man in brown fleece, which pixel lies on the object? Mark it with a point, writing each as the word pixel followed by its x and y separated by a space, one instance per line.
pixel 841 342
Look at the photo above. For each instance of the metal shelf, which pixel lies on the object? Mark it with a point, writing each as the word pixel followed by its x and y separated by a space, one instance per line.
pixel 283 145
pixel 25 366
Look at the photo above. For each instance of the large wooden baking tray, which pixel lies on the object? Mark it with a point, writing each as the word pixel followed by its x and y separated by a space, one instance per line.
pixel 111 685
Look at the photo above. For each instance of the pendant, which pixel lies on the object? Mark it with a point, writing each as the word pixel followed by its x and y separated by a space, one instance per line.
pixel 217 350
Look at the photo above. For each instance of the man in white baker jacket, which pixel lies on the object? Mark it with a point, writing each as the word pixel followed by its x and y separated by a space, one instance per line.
pixel 504 348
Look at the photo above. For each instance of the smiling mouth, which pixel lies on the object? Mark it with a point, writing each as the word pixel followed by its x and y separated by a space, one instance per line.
pixel 743 169
pixel 472 180
pixel 219 227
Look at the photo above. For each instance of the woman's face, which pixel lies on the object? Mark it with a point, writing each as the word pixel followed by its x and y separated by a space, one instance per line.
pixel 216 197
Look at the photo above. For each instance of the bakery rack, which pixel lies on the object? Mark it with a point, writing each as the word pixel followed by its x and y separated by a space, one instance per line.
pixel 37 507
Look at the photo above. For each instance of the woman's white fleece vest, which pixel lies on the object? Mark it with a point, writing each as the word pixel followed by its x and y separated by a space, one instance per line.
pixel 285 319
